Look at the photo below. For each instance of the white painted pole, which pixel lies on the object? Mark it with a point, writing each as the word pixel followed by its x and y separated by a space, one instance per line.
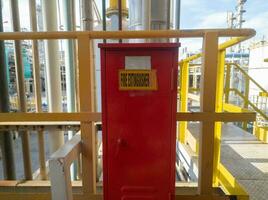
pixel 68 25
pixel 53 74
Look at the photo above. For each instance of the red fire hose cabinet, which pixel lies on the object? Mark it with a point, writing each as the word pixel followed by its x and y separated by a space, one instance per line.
pixel 139 95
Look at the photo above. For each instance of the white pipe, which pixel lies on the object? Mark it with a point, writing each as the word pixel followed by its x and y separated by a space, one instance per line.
pixel 146 14
pixel 150 15
pixel 53 74
pixel 67 15
pixel 68 25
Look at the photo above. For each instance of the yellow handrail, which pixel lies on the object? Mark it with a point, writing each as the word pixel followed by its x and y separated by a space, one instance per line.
pixel 222 46
pixel 247 76
pixel 85 71
pixel 250 103
pixel 187 33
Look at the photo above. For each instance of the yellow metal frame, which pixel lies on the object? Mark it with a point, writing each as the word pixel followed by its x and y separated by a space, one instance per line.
pixel 230 185
pixel 86 102
pixel 218 108
pixel 261 133
pixel 220 174
pixel 233 108
pixel 183 94
pixel 263 94
pixel 256 109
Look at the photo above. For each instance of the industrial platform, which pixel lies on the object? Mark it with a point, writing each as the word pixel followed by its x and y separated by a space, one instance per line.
pixel 242 154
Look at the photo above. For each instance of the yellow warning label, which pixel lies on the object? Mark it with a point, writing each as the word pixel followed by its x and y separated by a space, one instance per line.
pixel 137 80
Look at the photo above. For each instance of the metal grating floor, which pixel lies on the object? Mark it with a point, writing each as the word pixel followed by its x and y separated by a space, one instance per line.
pixel 245 157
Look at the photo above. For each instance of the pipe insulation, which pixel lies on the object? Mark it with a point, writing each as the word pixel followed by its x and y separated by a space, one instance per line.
pixel 53 71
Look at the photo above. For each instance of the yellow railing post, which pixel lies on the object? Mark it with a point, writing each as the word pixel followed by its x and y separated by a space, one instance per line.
pixel 227 82
pixel 86 94
pixel 245 124
pixel 184 84
pixel 219 108
pixel 207 104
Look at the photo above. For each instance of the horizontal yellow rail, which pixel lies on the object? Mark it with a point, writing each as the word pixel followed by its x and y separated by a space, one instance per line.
pixel 234 108
pixel 49 117
pixel 96 117
pixel 249 103
pixel 263 94
pixel 222 46
pixel 247 76
pixel 188 33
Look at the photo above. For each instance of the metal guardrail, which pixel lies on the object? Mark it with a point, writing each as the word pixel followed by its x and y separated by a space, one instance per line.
pixel 207 170
pixel 256 106
pixel 251 104
pixel 219 173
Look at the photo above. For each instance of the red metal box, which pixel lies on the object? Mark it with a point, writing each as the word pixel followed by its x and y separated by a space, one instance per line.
pixel 139 95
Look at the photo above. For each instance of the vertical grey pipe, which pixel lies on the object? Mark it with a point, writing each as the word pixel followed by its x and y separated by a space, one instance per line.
pixel 178 14
pixel 21 89
pixel 104 17
pixel 146 14
pixel 6 137
pixel 87 15
pixel 88 23
pixel 120 17
pixel 168 14
pixel 37 89
pixel 69 25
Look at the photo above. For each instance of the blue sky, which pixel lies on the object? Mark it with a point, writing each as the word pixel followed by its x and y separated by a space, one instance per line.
pixel 213 14
pixel 194 14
